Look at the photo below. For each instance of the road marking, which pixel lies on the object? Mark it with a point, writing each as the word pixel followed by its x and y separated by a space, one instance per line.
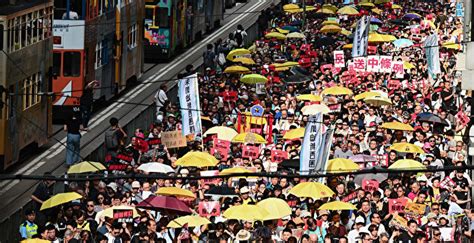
pixel 99 118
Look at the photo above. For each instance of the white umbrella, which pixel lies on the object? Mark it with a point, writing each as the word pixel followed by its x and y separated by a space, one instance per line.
pixel 156 167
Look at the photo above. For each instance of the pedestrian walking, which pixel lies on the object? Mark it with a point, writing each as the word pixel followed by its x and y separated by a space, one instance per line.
pixel 161 101
pixel 73 127
pixel 87 99
pixel 114 137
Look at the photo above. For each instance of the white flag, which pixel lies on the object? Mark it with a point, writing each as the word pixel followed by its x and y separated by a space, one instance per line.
pixel 189 102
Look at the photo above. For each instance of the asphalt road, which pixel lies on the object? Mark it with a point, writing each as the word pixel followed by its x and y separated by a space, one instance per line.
pixel 15 194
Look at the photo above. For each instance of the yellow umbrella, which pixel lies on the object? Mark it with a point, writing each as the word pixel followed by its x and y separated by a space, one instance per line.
pixel 315 109
pixel 277 208
pixel 248 137
pixel 347 46
pixel 35 241
pixel 331 29
pixel 86 167
pixel 376 38
pixel 337 205
pixel 326 11
pixel 197 159
pixel 310 8
pixel 109 212
pixel 366 4
pixel 309 97
pixel 389 38
pixel 290 7
pixel 175 191
pixel 286 64
pixel 397 126
pixel 377 10
pixel 313 190
pixel 396 6
pixel 235 170
pixel 246 212
pixel 337 90
pixel 407 148
pixel 348 10
pixel 296 10
pixel 244 60
pixel 295 35
pixel 190 221
pixel 341 165
pixel 252 48
pixel 451 45
pixel 236 69
pixel 283 31
pixel 408 65
pixel 329 22
pixel 237 52
pixel 366 94
pixel 378 100
pixel 223 133
pixel 331 7
pixel 346 32
pixel 275 35
pixel 59 199
pixel 381 1
pixel 407 164
pixel 253 79
pixel 294 133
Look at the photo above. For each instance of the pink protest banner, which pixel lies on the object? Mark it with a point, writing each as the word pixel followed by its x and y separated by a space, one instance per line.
pixel 394 84
pixel 229 96
pixel 382 160
pixel 386 64
pixel 209 173
pixel 251 152
pixel 397 68
pixel 212 208
pixel 447 182
pixel 397 205
pixel 339 59
pixel 349 197
pixel 370 185
pixel 279 155
pixel 373 64
pixel 350 66
pixel 326 66
pixel 218 143
pixel 359 64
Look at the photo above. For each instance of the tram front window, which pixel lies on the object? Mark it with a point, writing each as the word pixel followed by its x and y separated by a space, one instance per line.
pixel 72 64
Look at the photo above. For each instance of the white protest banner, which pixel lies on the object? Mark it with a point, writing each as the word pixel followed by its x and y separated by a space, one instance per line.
pixel 359 64
pixel 312 142
pixel 361 37
pixel 189 102
pixel 373 64
pixel 339 59
pixel 397 68
pixel 385 64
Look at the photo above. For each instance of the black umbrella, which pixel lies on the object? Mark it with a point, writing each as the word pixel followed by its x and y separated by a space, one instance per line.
pixel 376 176
pixel 324 41
pixel 297 79
pixel 398 22
pixel 220 191
pixel 431 118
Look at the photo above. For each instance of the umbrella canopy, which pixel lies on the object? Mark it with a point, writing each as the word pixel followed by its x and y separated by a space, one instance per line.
pixel 170 204
pixel 328 22
pixel 175 191
pixel 35 241
pixel 408 65
pixel 326 11
pixel 389 38
pixel 276 35
pixel 366 94
pixel 331 29
pixel 237 52
pixel 377 11
pixel 431 118
pixel 398 22
pixel 295 35
pixel 109 212
pixel 248 137
pixel 406 148
pixel 315 109
pixel 407 164
pixel 290 7
pixel 347 10
pixel 451 45
pixel 347 46
pixel 403 43
pixel 396 6
pixel 283 31
pixel 294 133
pixel 375 20
pixel 337 205
pixel 341 165
pixel 330 6
pixel 59 199
pixel 313 190
pixel 378 101
pixel 375 176
pixel 236 69
pixel 337 90
pixel 346 32
pixel 223 133
pixel 220 191
pixel 235 170
pixel 397 126
pixel 366 4
pixel 376 38
pixel 155 167
pixel 276 208
pixel 412 16
pixel 246 212
pixel 253 79
pixel 189 220
pixel 309 97
pixel 244 60
pixel 86 167
pixel 363 158
pixel 197 159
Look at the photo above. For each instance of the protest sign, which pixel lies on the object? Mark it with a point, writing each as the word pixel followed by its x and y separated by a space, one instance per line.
pixel 359 64
pixel 399 222
pixel 123 215
pixel 339 59
pixel 415 209
pixel 349 197
pixel 229 96
pixel 373 64
pixel 397 68
pixel 209 173
pixel 212 208
pixel 173 139
pixel 251 152
pixel 385 64
pixel 397 205
pixel 279 155
pixel 370 185
pixel 447 182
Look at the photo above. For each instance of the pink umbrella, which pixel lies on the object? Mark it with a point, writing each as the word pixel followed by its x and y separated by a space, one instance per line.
pixel 168 204
pixel 363 158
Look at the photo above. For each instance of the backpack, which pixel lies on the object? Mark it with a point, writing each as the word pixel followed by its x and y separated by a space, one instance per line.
pixel 239 38
pixel 111 140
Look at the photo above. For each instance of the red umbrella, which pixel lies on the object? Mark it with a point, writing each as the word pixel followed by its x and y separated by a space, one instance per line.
pixel 170 204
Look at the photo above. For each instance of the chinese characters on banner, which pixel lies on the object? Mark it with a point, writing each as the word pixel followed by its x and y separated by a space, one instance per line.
pixel 209 173
pixel 220 147
pixel 123 215
pixel 250 152
pixel 211 208
pixel 415 209
pixel 397 205
pixel 279 155
pixel 397 68
pixel 385 64
pixel 373 64
pixel 189 103
pixel 312 144
pixel 361 37
pixel 173 139
pixel 370 185
pixel 359 64
pixel 339 59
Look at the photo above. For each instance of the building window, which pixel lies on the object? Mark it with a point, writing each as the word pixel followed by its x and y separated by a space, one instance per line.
pixel 99 54
pixel 72 64
pixel 132 36
pixel 30 89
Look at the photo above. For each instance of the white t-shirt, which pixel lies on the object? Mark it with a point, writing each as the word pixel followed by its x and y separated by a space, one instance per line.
pixel 160 98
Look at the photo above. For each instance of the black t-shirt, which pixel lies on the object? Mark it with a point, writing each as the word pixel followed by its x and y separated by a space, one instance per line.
pixel 405 237
pixel 74 125
pixel 463 183
pixel 42 193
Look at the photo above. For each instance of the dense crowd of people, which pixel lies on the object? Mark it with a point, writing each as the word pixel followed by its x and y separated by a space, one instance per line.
pixel 386 211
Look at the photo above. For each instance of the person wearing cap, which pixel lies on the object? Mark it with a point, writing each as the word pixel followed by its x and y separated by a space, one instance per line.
pixel 353 235
pixel 28 228
pixel 410 234
pixel 245 195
